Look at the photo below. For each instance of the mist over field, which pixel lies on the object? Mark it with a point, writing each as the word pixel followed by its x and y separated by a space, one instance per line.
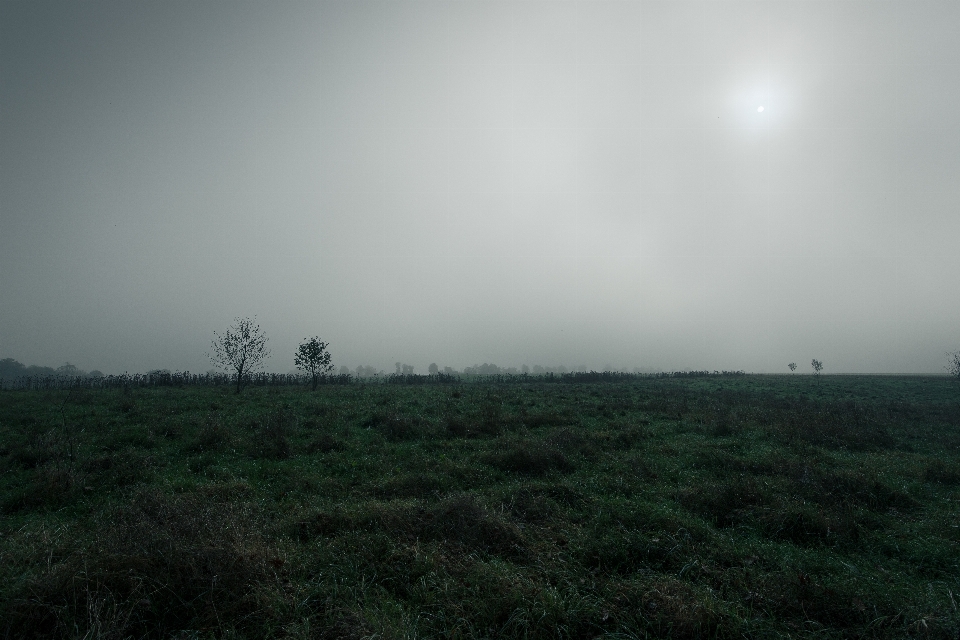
pixel 664 185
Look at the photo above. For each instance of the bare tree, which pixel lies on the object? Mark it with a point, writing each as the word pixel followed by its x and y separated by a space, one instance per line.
pixel 313 357
pixel 241 349
pixel 793 366
pixel 817 368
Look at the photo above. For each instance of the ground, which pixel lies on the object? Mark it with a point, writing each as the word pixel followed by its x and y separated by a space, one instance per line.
pixel 718 506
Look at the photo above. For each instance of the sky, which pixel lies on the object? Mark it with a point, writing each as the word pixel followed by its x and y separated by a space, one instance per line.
pixel 588 183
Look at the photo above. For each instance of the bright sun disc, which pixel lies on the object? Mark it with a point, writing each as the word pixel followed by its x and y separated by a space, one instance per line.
pixel 759 109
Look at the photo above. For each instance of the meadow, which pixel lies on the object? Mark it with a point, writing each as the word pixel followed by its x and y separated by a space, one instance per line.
pixel 720 506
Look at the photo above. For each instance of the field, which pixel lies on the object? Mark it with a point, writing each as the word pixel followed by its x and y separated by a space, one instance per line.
pixel 719 506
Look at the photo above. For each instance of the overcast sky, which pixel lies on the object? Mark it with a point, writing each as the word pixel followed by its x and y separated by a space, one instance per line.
pixel 585 183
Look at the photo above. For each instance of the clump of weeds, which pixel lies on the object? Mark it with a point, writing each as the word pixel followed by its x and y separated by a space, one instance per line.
pixel 212 435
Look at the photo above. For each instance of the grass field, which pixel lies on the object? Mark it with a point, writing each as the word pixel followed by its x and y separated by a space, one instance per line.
pixel 721 507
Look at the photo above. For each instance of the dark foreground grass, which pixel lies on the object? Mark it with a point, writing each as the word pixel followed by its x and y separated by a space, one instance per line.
pixel 725 507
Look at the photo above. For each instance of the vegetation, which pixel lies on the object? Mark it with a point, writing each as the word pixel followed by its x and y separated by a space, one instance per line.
pixel 724 506
pixel 241 349
pixel 953 364
pixel 12 370
pixel 313 358
pixel 817 368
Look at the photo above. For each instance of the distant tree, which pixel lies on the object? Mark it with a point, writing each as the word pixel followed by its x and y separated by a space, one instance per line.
pixel 344 370
pixel 96 373
pixel 241 349
pixel 433 369
pixel 793 366
pixel 953 364
pixel 70 371
pixel 407 369
pixel 10 368
pixel 367 371
pixel 485 369
pixel 313 358
pixel 37 370
pixel 525 369
pixel 817 368
pixel 157 375
pixel 398 368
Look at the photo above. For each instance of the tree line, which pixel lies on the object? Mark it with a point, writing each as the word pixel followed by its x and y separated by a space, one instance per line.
pixel 242 349
pixel 11 369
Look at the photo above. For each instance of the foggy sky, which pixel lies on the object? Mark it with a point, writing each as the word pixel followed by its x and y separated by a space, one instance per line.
pixel 578 183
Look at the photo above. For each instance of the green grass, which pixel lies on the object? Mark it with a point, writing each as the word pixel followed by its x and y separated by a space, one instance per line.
pixel 719 507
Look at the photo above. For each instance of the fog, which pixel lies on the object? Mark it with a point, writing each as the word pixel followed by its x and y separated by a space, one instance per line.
pixel 582 183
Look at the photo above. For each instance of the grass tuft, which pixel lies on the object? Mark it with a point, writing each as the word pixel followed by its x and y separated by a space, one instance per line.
pixel 530 459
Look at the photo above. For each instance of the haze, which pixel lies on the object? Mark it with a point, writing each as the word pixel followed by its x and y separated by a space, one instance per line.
pixel 581 183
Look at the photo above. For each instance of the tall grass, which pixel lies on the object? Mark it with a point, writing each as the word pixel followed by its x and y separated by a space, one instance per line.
pixel 723 506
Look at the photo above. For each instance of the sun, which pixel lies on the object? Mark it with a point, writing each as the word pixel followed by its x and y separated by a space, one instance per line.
pixel 764 102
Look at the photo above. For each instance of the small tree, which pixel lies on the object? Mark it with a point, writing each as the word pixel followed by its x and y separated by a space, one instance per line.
pixel 793 366
pixel 242 349
pixel 817 368
pixel 953 364
pixel 433 369
pixel 313 358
